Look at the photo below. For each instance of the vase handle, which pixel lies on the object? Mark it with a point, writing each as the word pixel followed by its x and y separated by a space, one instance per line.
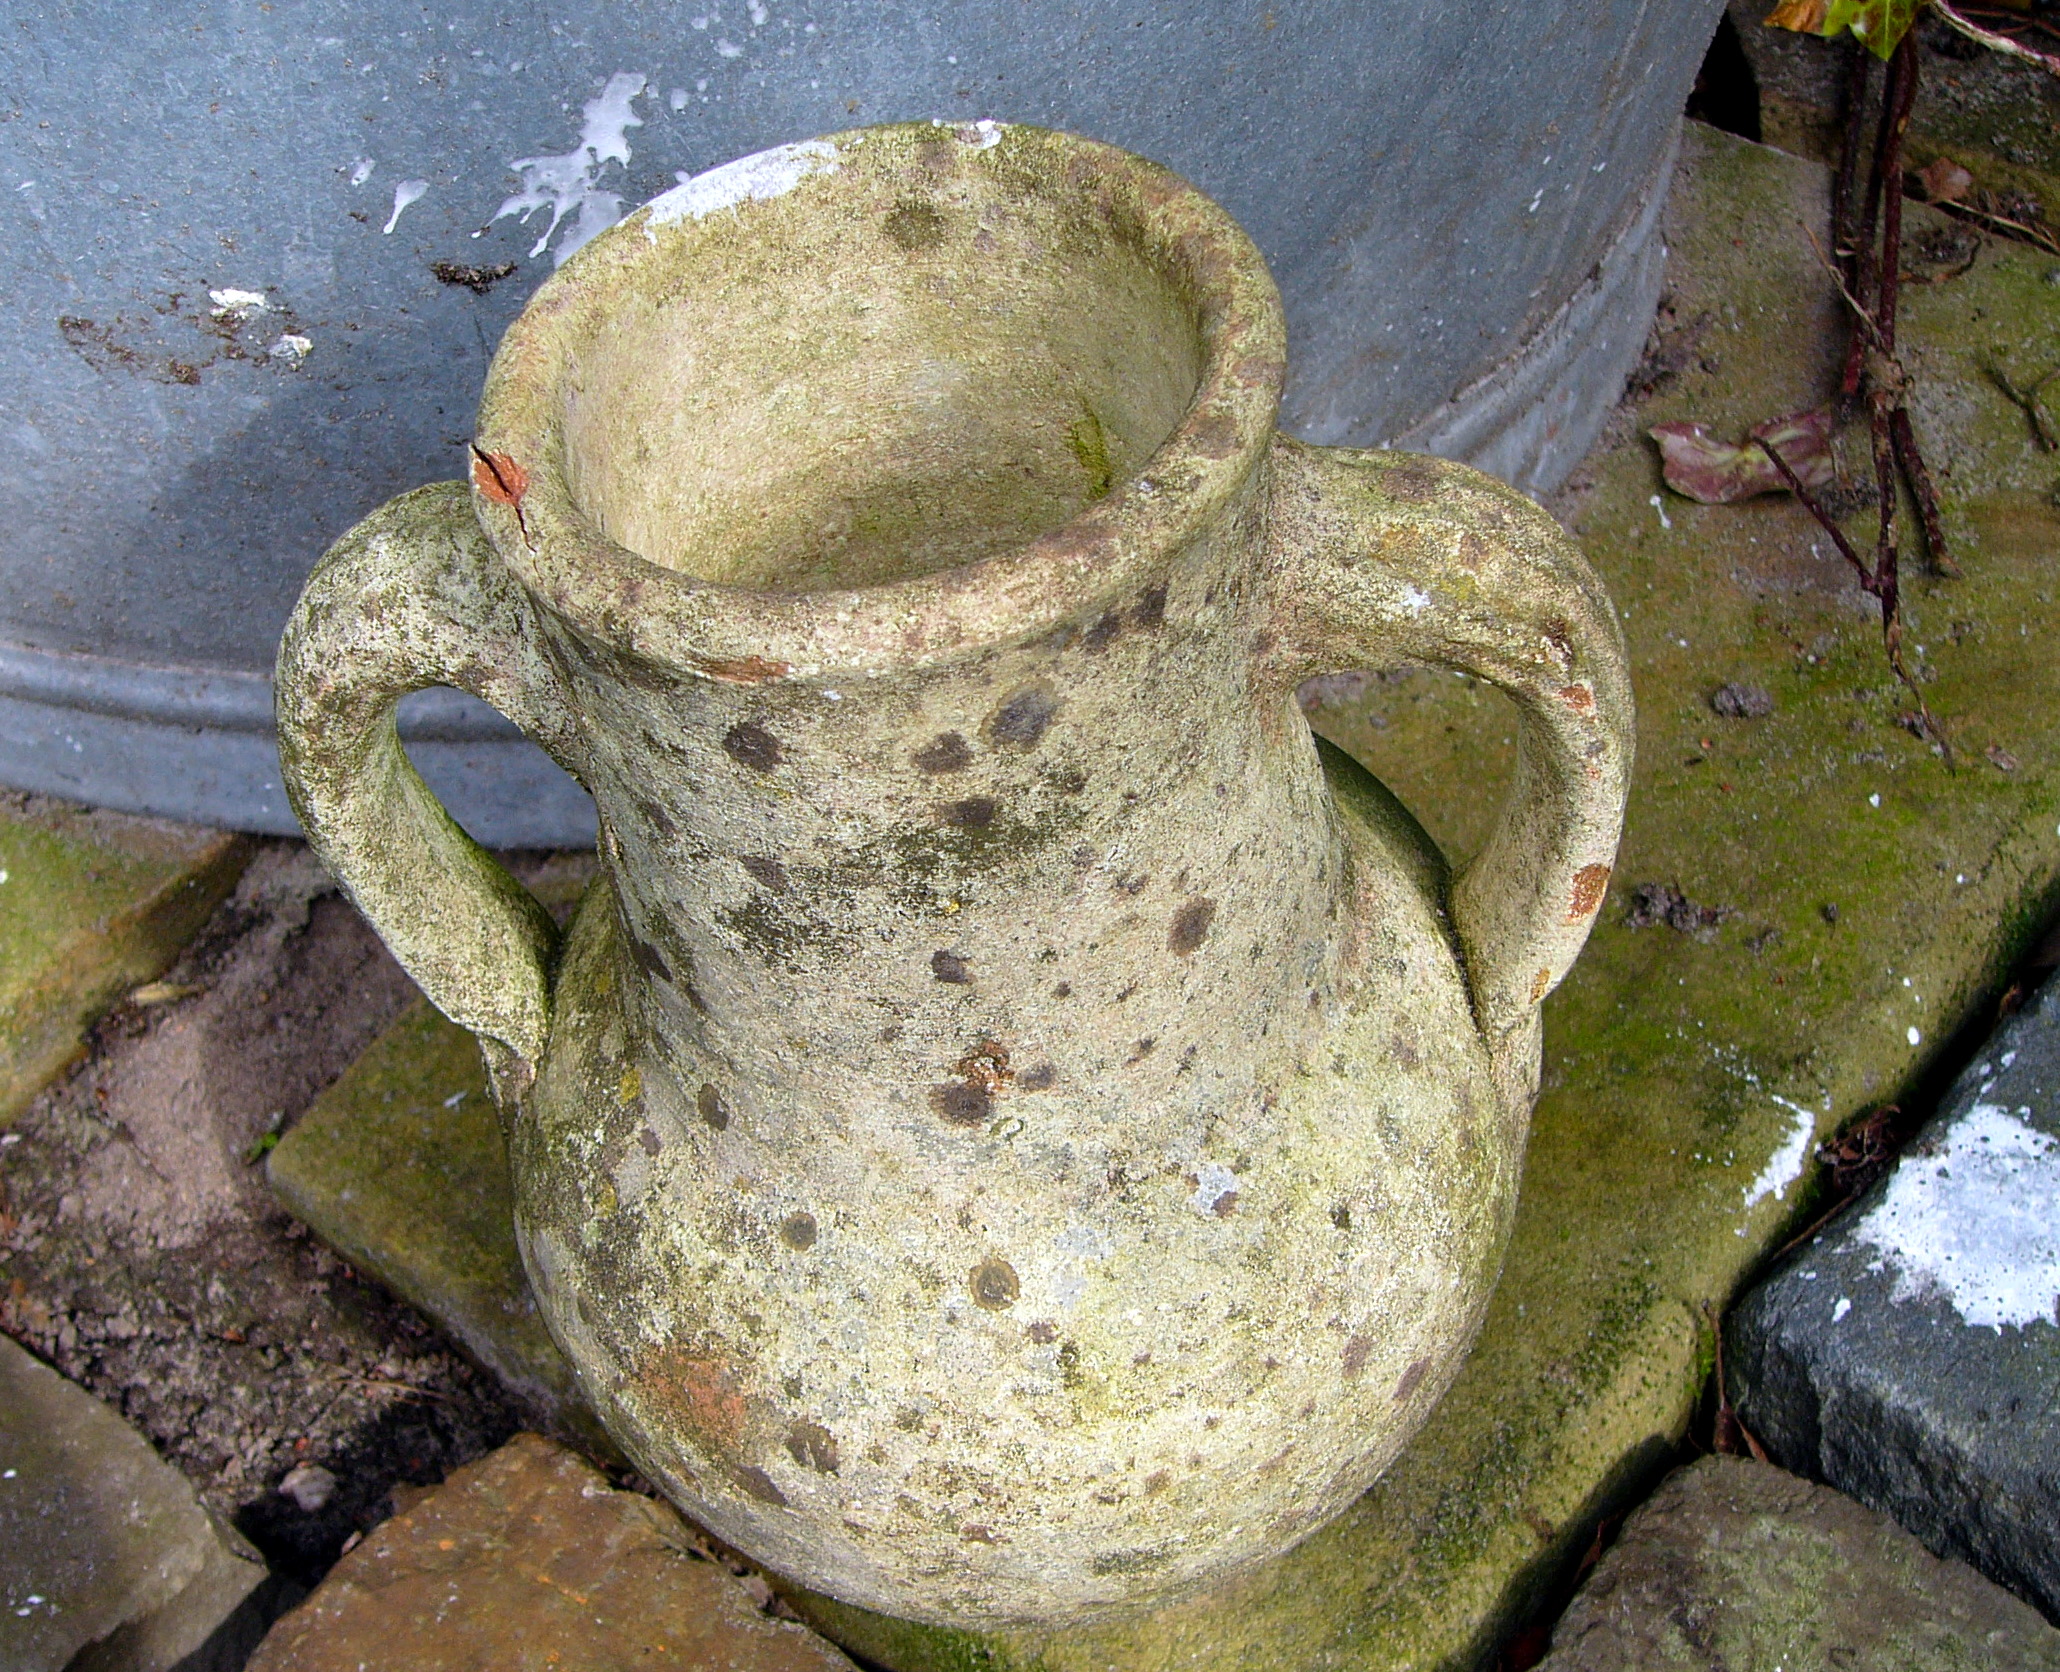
pixel 1379 556
pixel 415 596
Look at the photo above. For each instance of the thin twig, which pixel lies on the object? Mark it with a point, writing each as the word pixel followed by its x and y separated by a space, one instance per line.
pixel 1810 504
pixel 1995 42
pixel 2036 236
pixel 1918 475
pixel 1861 316
pixel 1881 586
pixel 2027 401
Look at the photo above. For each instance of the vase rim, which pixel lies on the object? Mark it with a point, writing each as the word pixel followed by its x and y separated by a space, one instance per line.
pixel 526 500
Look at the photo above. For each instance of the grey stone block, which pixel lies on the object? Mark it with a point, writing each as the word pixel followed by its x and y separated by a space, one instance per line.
pixel 1909 1353
pixel 108 1562
pixel 1734 1564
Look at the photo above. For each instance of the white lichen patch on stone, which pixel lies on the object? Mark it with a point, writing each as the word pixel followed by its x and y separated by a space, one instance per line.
pixel 290 348
pixel 1786 1164
pixel 568 184
pixel 1973 1221
pixel 983 135
pixel 1213 1183
pixel 752 179
pixel 238 305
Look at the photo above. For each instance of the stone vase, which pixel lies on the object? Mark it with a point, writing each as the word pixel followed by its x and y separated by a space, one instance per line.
pixel 1016 1130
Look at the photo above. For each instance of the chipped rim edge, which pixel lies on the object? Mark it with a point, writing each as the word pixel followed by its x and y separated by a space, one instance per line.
pixel 748 636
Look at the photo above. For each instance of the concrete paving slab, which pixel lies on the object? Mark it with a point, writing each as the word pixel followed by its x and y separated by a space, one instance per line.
pixel 1909 1353
pixel 400 1168
pixel 110 1563
pixel 528 1560
pixel 1737 1564
pixel 92 905
pixel 1847 900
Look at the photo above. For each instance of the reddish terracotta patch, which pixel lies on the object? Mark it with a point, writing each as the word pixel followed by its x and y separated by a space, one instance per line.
pixel 1578 697
pixel 741 670
pixel 1590 883
pixel 701 1393
pixel 499 477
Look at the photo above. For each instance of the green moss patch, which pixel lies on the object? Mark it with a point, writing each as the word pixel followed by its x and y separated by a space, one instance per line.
pixel 92 905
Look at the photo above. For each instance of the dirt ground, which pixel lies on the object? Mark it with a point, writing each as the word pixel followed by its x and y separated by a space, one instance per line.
pixel 142 1254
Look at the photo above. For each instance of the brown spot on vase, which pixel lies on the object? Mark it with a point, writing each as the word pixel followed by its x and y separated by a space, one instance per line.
pixel 1020 722
pixel 1214 437
pixel 962 1105
pixel 1104 632
pixel 1410 1377
pixel 1540 983
pixel 986 1065
pixel 951 968
pixel 650 1142
pixel 760 1485
pixel 1414 482
pixel 768 872
pixel 1225 1205
pixel 976 812
pixel 813 1446
pixel 994 1285
pixel 1591 882
pixel 915 226
pixel 798 1231
pixel 708 1104
pixel 1040 1077
pixel 1578 697
pixel 973 1532
pixel 750 744
pixel 1191 924
pixel 1149 612
pixel 946 752
pixel 1356 1351
pixel 1043 1333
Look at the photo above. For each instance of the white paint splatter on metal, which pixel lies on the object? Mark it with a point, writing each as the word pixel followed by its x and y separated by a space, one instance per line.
pixel 567 185
pixel 407 192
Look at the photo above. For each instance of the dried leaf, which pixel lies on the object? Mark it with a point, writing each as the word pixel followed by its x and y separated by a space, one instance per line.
pixel 1944 181
pixel 1805 17
pixel 1699 467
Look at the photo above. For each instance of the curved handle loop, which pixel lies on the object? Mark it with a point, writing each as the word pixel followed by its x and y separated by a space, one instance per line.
pixel 414 596
pixel 1383 556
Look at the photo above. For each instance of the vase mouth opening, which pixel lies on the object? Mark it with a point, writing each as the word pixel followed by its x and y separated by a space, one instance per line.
pixel 928 370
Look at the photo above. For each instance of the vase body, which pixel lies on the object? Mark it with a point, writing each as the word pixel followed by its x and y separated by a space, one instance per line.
pixel 1012 1133
pixel 1469 260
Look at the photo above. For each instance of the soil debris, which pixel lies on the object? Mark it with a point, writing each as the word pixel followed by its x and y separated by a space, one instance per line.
pixel 1656 903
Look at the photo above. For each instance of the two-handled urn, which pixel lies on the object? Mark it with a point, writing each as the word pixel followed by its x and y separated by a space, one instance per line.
pixel 1015 1130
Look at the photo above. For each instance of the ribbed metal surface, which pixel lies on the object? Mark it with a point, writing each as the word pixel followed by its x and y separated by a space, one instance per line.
pixel 227 338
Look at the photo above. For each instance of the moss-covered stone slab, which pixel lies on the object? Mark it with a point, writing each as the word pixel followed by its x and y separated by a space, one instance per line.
pixel 92 904
pixel 1861 898
pixel 399 1166
pixel 1734 1563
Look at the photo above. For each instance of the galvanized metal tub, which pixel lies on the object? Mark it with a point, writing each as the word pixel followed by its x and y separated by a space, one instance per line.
pixel 256 272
